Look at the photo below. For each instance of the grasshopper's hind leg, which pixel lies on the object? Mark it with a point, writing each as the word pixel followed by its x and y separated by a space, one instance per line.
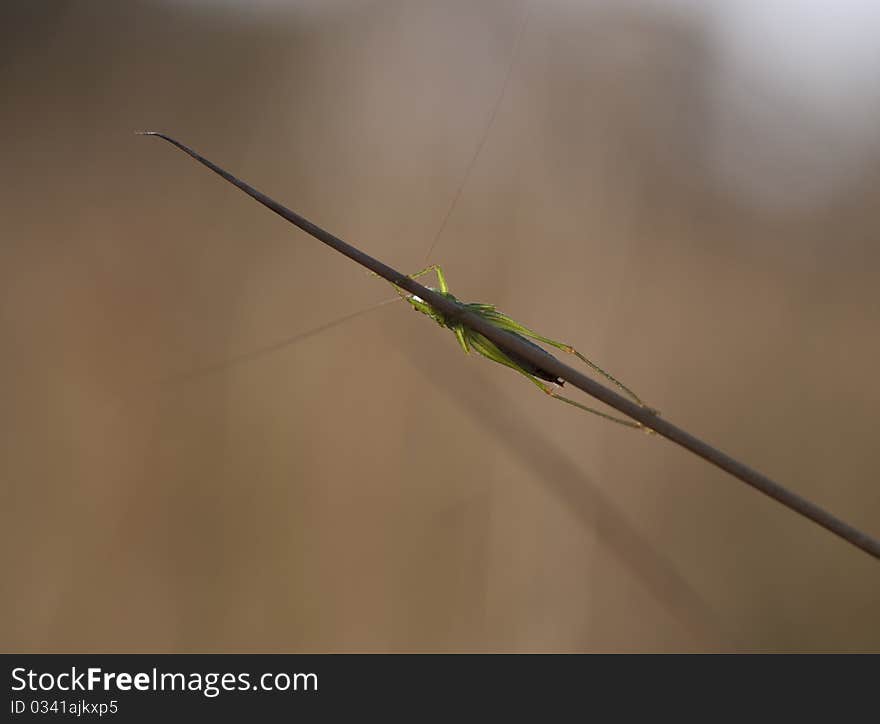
pixel 607 375
pixel 552 392
pixel 517 327
pixel 490 351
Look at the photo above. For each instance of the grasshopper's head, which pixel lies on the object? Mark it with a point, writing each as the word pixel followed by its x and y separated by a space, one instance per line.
pixel 420 305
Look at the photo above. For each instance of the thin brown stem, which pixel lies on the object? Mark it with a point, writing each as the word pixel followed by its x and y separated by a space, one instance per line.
pixel 518 347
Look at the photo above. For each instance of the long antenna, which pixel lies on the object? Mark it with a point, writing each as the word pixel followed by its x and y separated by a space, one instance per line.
pixel 490 124
pixel 220 365
pixel 542 359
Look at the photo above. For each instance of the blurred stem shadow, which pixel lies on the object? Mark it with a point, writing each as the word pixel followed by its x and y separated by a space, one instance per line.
pixel 562 477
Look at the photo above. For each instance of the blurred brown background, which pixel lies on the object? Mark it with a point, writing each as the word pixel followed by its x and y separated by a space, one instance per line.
pixel 686 191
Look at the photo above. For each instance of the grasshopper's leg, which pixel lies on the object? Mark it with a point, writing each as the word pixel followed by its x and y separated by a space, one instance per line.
pixel 441 280
pixel 491 351
pixel 550 390
pixel 508 323
pixel 607 375
pixel 400 292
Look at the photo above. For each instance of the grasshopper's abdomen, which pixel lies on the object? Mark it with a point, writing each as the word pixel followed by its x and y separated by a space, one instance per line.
pixel 530 368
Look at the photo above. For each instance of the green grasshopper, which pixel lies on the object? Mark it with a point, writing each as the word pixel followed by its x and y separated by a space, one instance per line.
pixel 469 340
